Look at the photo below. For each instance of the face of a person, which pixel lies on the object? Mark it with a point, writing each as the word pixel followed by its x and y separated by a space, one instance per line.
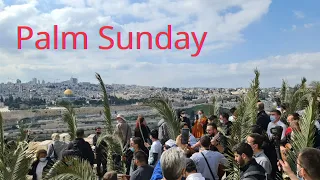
pixel 210 130
pixel 250 141
pixel 290 118
pixel 42 155
pixel 275 115
pixel 221 118
pixel 239 159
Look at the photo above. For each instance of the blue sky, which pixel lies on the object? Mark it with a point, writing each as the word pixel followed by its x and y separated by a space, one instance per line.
pixel 278 37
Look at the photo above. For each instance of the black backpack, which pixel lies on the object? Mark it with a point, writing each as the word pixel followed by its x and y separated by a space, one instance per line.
pixel 75 150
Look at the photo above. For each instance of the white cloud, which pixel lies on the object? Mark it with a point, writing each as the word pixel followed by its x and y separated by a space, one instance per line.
pixel 309 25
pixel 299 14
pixel 145 67
pixel 294 27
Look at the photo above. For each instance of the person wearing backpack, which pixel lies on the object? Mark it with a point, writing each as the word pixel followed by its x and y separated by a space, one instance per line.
pixel 56 148
pixel 80 148
pixel 163 131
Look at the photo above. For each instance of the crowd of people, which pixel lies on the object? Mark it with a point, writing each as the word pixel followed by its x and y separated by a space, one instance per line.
pixel 152 155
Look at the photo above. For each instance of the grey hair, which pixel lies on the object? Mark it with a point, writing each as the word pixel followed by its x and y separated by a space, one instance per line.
pixel 173 163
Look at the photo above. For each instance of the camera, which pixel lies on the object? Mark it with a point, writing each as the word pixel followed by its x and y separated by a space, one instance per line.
pixel 277 133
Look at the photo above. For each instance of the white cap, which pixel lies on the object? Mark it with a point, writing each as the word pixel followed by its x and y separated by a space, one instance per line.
pixel 120 116
pixel 171 143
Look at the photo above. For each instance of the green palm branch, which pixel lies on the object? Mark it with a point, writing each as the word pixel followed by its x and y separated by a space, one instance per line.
pixel 214 107
pixel 166 111
pixel 106 106
pixel 16 163
pixel 284 91
pixel 114 142
pixel 2 144
pixel 246 117
pixel 77 169
pixel 296 98
pixel 70 118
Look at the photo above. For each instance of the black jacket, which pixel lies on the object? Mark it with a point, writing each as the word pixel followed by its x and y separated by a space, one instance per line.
pixel 145 132
pixel 227 128
pixel 263 120
pixel 252 171
pixel 187 120
pixel 84 147
pixel 34 165
pixel 101 149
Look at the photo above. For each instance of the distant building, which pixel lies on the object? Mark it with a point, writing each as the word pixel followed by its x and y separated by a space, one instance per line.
pixel 68 96
pixel 74 80
pixel 18 81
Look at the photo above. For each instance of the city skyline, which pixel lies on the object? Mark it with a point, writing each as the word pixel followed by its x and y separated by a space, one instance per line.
pixel 276 37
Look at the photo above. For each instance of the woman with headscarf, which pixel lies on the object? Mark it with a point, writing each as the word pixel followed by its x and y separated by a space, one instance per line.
pixel 142 130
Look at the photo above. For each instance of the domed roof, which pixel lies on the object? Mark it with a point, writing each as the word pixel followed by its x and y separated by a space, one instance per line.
pixel 68 92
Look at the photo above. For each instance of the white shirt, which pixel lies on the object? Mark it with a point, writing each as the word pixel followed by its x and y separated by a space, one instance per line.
pixel 192 139
pixel 156 147
pixel 195 176
pixel 39 169
pixel 272 125
pixel 214 159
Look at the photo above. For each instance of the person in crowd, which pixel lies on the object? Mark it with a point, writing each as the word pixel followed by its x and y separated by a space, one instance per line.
pixel 123 130
pixel 191 171
pixel 112 175
pixel 163 131
pixel 249 168
pixel 142 130
pixel 275 116
pixel 80 148
pixel 307 165
pixel 173 164
pixel 291 118
pixel 101 153
pixel 41 165
pixel 263 118
pixel 137 144
pixel 213 119
pixel 56 148
pixel 185 119
pixel 255 141
pixel 144 170
pixel 192 139
pixel 157 172
pixel 233 116
pixel 199 124
pixel 209 162
pixel 225 123
pixel 218 140
pixel 269 149
pixel 156 148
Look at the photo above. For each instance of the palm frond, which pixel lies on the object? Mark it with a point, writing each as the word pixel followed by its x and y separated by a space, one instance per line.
pixel 70 118
pixel 212 106
pixel 17 163
pixel 246 117
pixel 296 101
pixel 2 143
pixel 284 90
pixel 166 111
pixel 306 137
pixel 106 106
pixel 77 169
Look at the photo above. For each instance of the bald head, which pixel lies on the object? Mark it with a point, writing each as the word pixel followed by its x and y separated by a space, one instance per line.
pixel 260 106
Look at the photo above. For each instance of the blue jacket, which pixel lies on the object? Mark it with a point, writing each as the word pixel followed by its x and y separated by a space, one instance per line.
pixel 157 172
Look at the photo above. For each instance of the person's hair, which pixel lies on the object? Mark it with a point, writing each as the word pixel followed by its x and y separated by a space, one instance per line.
pixel 214 125
pixel 256 129
pixel 257 139
pixel 140 120
pixel 276 111
pixel 141 156
pixel 243 148
pixel 232 110
pixel 40 151
pixel 139 141
pixel 213 117
pixel 309 160
pixel 110 176
pixel 182 124
pixel 154 133
pixel 296 123
pixel 225 115
pixel 55 136
pixel 205 141
pixel 173 162
pixel 190 165
pixel 260 106
pixel 283 106
pixel 201 111
pixel 98 128
pixel 182 112
pixel 296 116
pixel 80 132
